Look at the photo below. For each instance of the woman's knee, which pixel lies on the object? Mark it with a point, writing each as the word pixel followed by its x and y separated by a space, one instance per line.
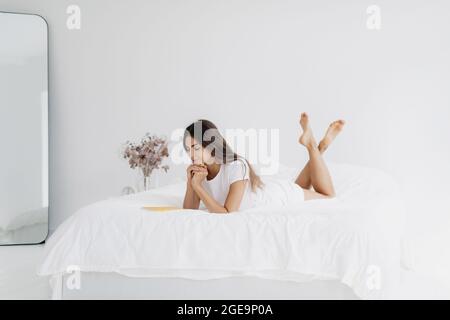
pixel 331 195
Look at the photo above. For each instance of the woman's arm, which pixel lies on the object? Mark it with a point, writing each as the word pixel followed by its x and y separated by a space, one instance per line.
pixel 191 199
pixel 232 203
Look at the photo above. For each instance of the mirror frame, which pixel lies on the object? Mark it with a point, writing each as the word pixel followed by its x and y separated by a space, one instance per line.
pixel 46 124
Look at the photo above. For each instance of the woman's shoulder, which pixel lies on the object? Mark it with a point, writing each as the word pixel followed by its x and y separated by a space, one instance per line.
pixel 238 163
pixel 238 169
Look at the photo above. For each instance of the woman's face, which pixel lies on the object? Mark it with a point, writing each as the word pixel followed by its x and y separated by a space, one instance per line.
pixel 198 154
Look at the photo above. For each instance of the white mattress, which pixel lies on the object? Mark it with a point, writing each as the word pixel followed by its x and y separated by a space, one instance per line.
pixel 356 238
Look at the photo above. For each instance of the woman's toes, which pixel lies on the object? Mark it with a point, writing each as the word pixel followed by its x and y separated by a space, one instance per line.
pixel 333 130
pixel 336 126
pixel 340 123
pixel 304 121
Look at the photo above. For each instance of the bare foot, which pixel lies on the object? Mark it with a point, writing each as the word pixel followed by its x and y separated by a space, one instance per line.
pixel 307 138
pixel 333 130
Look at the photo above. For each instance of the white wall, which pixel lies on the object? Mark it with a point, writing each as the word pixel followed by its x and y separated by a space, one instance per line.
pixel 141 65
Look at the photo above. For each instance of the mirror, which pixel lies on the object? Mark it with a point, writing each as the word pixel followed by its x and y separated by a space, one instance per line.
pixel 23 129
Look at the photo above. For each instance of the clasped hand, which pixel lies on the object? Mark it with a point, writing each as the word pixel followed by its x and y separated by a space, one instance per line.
pixel 196 174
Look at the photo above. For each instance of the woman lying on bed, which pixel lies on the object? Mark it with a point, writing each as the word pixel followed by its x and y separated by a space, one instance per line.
pixel 226 182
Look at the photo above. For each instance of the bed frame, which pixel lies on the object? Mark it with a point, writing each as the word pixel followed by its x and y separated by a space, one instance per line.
pixel 95 285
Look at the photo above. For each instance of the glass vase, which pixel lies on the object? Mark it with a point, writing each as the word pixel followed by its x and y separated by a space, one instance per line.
pixel 147 185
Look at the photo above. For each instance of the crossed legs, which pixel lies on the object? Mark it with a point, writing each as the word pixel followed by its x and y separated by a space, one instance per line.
pixel 316 173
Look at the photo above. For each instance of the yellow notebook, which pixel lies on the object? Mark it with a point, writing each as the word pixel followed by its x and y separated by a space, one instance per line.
pixel 161 208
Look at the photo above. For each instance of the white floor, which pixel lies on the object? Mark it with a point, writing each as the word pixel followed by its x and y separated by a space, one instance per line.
pixel 18 279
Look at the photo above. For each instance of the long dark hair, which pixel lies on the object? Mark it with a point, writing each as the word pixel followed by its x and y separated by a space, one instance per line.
pixel 206 133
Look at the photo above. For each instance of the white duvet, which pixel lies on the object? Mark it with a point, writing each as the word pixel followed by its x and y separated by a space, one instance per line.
pixel 355 238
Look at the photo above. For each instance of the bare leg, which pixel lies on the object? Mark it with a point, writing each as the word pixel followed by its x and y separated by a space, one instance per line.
pixel 320 177
pixel 304 178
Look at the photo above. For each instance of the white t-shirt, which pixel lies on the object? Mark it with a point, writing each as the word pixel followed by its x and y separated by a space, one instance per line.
pixel 219 186
pixel 275 192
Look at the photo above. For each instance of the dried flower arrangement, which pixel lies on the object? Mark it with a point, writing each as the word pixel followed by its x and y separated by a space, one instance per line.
pixel 147 155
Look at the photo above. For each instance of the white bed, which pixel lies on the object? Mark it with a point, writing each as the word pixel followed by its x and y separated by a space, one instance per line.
pixel 348 247
pixel 105 285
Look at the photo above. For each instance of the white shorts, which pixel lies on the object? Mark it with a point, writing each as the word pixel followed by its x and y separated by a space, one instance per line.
pixel 279 192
